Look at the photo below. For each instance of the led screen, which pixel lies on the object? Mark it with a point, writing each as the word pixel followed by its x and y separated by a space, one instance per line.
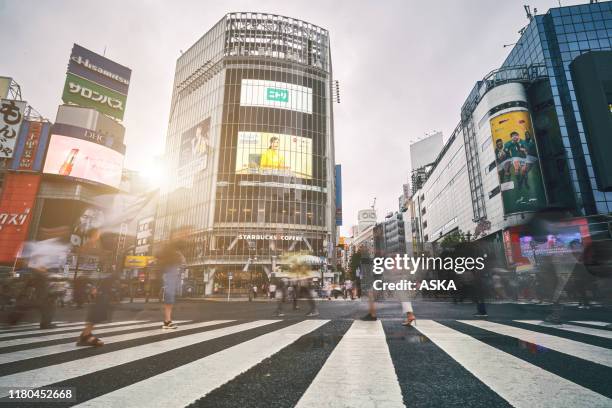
pixel 280 95
pixel 274 154
pixel 68 156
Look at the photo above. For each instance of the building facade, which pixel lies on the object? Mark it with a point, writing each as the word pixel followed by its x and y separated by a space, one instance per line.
pixel 250 149
pixel 521 146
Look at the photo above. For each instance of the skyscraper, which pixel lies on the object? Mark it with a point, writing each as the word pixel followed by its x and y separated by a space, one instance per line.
pixel 250 149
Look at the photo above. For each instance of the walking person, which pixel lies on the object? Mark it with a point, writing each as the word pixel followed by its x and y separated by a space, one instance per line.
pixel 99 311
pixel 171 261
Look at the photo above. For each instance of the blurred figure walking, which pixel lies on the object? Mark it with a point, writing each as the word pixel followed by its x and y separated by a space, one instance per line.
pixel 171 261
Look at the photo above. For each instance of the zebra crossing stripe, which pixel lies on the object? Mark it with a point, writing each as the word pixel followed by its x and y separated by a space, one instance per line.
pixel 64 328
pixel 194 380
pixel 570 327
pixel 22 326
pixel 592 323
pixel 75 368
pixel 522 384
pixel 574 348
pixel 359 372
pixel 62 348
pixel 71 335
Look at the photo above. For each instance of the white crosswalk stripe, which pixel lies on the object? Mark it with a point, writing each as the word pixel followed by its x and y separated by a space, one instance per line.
pixel 227 364
pixel 518 382
pixel 62 348
pixel 592 323
pixel 570 327
pixel 360 371
pixel 62 327
pixel 574 348
pixel 64 371
pixel 22 326
pixel 71 334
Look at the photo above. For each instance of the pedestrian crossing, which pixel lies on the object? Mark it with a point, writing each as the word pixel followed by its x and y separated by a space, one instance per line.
pixel 312 363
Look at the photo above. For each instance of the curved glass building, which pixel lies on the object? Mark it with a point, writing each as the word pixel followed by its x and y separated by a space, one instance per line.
pixel 250 150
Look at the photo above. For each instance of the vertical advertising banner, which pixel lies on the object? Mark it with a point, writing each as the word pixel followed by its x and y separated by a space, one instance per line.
pixel 516 156
pixel 195 150
pixel 16 205
pixel 11 117
pixel 338 175
pixel 30 148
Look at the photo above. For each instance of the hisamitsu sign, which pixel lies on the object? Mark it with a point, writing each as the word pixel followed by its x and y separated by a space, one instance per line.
pixel 99 69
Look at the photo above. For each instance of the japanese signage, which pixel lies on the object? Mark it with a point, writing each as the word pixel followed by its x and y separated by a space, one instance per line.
pixel 96 68
pixel 518 167
pixel 88 94
pixel 18 195
pixel 281 95
pixel 11 116
pixel 31 145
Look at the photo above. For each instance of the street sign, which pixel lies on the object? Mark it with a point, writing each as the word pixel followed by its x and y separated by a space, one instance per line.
pixel 230 276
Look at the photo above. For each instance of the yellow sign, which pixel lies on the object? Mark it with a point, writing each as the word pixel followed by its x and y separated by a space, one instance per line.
pixel 138 261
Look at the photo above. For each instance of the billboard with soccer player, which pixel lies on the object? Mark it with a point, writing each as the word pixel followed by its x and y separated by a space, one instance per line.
pixel 516 156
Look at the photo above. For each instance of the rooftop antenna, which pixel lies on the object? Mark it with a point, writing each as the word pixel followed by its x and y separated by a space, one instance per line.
pixel 104 52
pixel 528 11
pixel 373 203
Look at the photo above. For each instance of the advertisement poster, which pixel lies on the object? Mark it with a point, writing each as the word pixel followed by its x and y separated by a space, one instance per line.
pixel 195 150
pixel 16 205
pixel 274 154
pixel 282 95
pixel 11 115
pixel 72 157
pixel 517 162
pixel 85 93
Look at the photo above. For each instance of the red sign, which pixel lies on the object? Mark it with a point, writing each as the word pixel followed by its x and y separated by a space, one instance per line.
pixel 16 207
pixel 31 146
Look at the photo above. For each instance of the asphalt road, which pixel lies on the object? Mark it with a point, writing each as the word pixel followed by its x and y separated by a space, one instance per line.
pixel 237 354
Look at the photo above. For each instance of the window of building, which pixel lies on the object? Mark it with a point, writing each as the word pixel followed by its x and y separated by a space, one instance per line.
pixel 494 192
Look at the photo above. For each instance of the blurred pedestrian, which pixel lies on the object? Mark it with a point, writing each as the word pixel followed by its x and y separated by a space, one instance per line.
pixel 171 261
pixel 99 311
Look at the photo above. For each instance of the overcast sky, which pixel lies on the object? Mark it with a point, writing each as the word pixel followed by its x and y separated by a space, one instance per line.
pixel 405 68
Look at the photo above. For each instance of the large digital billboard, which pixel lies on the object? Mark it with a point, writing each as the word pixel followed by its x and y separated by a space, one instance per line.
pixel 274 154
pixel 282 95
pixel 518 166
pixel 69 156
